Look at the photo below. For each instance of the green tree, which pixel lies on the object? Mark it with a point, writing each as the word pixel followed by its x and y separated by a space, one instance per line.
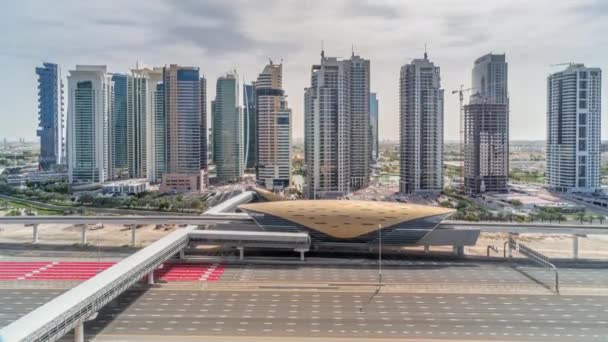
pixel 580 216
pixel 446 204
pixel 517 203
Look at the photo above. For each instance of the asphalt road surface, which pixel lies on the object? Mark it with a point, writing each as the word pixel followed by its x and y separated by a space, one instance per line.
pixel 418 272
pixel 351 315
pixel 188 315
pixel 260 302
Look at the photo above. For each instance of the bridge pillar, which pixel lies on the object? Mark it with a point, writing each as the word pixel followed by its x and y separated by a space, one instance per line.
pixel 458 250
pixel 35 233
pixel 241 252
pixel 133 234
pixel 83 238
pixel 182 255
pixel 302 251
pixel 575 246
pixel 427 249
pixel 151 278
pixel 79 332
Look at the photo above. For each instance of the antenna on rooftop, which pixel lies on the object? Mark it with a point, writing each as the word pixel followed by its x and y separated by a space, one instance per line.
pixel 322 49
pixel 425 54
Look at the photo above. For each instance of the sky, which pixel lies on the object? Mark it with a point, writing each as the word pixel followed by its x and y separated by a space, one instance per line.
pixel 219 36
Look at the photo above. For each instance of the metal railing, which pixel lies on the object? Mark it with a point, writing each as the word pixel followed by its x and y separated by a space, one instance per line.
pixel 541 260
pixel 512 246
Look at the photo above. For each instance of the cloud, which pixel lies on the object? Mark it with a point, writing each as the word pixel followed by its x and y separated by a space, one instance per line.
pixel 373 9
pixel 115 22
pixel 592 8
pixel 215 40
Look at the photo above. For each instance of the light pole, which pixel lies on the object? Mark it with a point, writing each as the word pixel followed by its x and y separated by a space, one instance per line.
pixel 379 254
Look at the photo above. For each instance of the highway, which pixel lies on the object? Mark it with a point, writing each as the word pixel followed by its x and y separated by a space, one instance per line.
pixel 526 227
pixel 240 218
pixel 423 299
pixel 185 315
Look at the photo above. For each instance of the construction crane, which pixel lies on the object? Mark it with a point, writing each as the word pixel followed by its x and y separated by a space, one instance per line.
pixel 460 93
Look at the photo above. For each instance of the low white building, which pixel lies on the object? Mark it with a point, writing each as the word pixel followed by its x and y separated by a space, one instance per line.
pixel 127 187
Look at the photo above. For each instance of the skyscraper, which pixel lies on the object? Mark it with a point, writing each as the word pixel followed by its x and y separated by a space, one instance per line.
pixel 421 127
pixel 273 129
pixel 486 129
pixel 360 121
pixel 50 116
pixel 185 116
pixel 574 129
pixel 336 125
pixel 157 153
pixel 90 93
pixel 228 151
pixel 373 126
pixel 142 124
pixel 118 130
pixel 249 125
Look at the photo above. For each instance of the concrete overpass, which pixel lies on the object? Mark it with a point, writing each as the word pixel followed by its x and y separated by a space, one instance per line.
pixel 527 228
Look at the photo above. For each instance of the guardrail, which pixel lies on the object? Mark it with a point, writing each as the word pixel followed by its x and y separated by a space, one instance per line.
pixel 540 259
pixel 512 246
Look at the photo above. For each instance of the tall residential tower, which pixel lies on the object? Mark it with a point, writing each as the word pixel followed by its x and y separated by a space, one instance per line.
pixel 90 93
pixel 486 129
pixel 336 127
pixel 185 118
pixel 574 129
pixel 273 162
pixel 421 127
pixel 50 116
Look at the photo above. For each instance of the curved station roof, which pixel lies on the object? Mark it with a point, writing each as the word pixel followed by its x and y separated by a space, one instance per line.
pixel 345 219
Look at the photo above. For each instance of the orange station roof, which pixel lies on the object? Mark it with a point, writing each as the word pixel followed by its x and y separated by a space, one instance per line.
pixel 343 218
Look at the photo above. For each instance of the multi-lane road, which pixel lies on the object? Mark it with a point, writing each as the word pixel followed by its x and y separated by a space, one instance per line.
pixel 438 300
pixel 189 314
pixel 186 314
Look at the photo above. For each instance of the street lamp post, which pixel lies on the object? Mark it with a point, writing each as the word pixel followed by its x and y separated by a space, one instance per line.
pixel 379 254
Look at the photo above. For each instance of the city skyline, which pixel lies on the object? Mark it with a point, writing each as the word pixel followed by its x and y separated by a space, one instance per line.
pixel 453 38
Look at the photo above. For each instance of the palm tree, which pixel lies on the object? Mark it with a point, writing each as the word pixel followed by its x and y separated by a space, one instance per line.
pixel 600 218
pixel 580 216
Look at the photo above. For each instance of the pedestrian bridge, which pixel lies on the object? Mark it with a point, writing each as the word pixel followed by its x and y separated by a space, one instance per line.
pixel 69 310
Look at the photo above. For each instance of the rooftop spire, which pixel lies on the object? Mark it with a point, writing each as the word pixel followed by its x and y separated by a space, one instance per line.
pixel 425 54
pixel 322 50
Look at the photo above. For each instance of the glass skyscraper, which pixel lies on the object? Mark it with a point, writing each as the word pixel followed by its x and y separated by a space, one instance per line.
pixel 185 118
pixel 249 126
pixel 50 115
pixel 118 125
pixel 373 125
pixel 228 129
